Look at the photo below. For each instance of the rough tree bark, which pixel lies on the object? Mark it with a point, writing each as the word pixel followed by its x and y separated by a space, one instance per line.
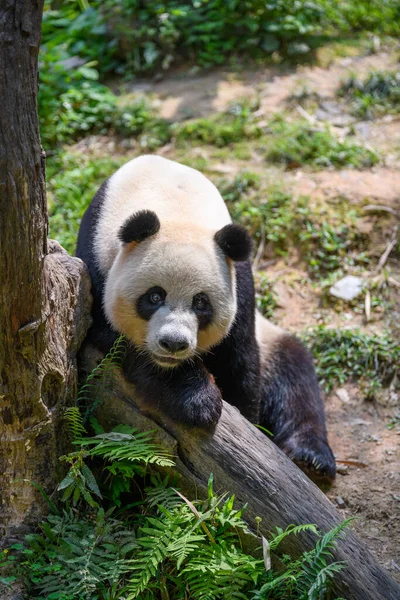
pixel 44 293
pixel 245 462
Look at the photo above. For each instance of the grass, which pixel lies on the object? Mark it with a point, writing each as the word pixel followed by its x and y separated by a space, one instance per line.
pixel 265 296
pixel 375 95
pixel 231 126
pixel 343 355
pixel 297 143
pixel 326 237
pixel 72 181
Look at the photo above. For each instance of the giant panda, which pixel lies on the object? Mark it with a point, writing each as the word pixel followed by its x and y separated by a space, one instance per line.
pixel 172 273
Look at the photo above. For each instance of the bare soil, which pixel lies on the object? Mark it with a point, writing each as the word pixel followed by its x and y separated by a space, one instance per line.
pixel 367 451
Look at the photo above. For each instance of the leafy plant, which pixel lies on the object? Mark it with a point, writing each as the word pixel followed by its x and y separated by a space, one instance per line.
pixel 234 190
pixel 298 143
pixel 75 556
pixel 327 240
pixel 236 123
pixel 72 181
pixel 89 396
pixel 362 15
pixel 345 354
pixel 378 93
pixel 265 296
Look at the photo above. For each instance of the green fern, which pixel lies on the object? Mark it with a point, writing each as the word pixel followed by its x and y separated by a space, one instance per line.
pixel 154 540
pixel 75 556
pixel 281 534
pixel 126 443
pixel 100 377
pixel 315 572
pixel 74 420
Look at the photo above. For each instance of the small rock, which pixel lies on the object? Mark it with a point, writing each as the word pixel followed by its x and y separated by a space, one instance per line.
pixel 342 470
pixel 340 502
pixel 343 395
pixel 347 288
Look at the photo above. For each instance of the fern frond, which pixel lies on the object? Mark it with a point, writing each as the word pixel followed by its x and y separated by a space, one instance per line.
pixel 88 396
pixel 127 444
pixel 74 421
pixel 323 578
pixel 78 555
pixel 221 571
pixel 156 537
pixel 316 563
pixel 290 530
pixel 161 494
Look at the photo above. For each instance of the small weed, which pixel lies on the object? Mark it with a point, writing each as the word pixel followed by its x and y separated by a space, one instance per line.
pixel 298 143
pixel 377 94
pixel 265 295
pixel 342 355
pixel 234 190
pixel 234 125
pixel 394 422
pixel 328 244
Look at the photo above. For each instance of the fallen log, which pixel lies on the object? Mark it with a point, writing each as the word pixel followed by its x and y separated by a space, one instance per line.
pixel 246 463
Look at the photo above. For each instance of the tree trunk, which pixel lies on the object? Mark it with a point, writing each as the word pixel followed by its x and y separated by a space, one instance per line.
pixel 246 463
pixel 42 315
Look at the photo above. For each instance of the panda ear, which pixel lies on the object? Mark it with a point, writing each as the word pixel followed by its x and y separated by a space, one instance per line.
pixel 139 227
pixel 235 242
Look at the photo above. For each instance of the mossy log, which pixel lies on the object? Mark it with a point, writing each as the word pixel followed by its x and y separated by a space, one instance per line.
pixel 246 463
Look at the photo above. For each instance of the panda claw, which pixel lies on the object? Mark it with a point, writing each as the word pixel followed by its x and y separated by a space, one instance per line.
pixel 314 457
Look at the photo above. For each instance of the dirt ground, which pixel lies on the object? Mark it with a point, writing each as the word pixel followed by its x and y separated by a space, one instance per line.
pixel 367 451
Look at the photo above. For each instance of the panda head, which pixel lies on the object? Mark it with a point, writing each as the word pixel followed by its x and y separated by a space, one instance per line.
pixel 172 289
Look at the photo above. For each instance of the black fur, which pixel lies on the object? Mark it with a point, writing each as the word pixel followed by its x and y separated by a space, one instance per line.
pixel 235 362
pixel 186 393
pixel 205 313
pixel 100 334
pixel 235 242
pixel 292 408
pixel 139 227
pixel 144 307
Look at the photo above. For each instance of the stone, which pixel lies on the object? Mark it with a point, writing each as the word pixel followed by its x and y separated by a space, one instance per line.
pixel 347 288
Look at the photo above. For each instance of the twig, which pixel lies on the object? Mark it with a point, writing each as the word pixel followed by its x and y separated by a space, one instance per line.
pixel 394 282
pixel 393 241
pixel 352 463
pixel 260 249
pixel 381 207
pixel 367 306
pixel 305 114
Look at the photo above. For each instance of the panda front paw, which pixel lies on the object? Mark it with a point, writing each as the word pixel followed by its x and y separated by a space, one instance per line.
pixel 202 408
pixel 313 456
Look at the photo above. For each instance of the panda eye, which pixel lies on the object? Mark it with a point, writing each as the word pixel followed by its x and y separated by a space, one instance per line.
pixel 156 296
pixel 200 301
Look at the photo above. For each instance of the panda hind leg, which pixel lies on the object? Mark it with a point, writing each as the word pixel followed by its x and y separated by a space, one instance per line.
pixel 293 410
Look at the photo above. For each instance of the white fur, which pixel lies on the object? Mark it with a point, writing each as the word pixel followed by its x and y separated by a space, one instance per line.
pixel 173 191
pixel 182 258
pixel 266 334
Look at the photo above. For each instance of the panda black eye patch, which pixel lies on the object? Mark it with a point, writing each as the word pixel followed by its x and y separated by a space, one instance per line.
pixel 201 305
pixel 150 302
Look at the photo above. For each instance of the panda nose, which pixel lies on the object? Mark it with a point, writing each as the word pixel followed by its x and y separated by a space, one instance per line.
pixel 173 345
